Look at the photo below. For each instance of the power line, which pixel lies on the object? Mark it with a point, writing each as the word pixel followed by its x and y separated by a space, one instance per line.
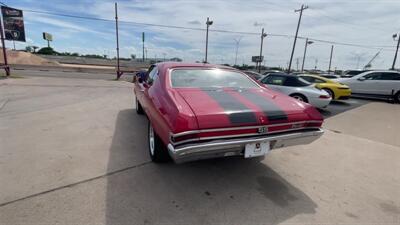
pixel 203 29
pixel 353 25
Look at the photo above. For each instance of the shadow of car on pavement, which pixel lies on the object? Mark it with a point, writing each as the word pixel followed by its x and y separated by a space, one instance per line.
pixel 228 190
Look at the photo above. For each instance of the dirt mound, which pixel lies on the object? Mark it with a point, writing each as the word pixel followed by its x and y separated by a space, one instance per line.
pixel 25 58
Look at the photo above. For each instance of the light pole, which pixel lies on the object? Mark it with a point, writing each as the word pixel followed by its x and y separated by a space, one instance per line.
pixel 208 23
pixel 263 35
pixel 330 60
pixel 305 51
pixel 237 41
pixel 397 48
pixel 303 7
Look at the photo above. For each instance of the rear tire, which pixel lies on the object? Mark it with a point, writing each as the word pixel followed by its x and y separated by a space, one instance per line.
pixel 139 109
pixel 157 149
pixel 330 92
pixel 299 97
pixel 397 97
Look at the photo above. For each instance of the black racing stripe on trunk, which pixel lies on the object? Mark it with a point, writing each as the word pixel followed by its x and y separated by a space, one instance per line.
pixel 237 112
pixel 270 109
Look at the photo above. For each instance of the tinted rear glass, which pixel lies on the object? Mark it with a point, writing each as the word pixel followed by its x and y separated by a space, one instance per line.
pixel 210 78
pixel 296 82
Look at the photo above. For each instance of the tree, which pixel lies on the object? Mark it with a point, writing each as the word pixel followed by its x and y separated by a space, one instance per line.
pixel 47 51
pixel 34 48
pixel 133 56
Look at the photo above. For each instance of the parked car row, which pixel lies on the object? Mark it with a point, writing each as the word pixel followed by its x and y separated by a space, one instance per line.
pixel 372 84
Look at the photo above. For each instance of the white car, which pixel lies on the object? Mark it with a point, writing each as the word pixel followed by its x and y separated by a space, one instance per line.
pixel 382 84
pixel 297 88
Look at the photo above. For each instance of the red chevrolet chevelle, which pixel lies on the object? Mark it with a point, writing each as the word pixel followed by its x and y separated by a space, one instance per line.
pixel 198 111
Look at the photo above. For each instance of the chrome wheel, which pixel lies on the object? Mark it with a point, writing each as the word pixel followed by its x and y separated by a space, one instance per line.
pixel 151 140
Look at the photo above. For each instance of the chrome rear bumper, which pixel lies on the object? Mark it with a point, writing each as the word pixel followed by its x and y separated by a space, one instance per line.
pixel 231 147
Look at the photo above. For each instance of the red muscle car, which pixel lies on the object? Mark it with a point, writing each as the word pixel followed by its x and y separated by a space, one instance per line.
pixel 198 111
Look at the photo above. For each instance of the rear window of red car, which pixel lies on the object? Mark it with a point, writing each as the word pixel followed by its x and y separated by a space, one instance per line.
pixel 202 78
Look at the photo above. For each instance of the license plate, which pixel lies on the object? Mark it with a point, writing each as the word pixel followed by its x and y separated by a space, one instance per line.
pixel 256 149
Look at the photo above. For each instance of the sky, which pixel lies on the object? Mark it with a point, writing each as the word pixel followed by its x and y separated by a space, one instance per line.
pixel 367 23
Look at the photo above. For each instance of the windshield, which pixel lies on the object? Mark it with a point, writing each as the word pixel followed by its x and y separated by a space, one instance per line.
pixel 201 78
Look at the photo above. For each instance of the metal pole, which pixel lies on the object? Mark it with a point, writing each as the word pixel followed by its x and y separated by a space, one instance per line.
pixel 143 46
pixel 395 55
pixel 330 60
pixel 295 37
pixel 116 33
pixel 304 56
pixel 237 48
pixel 262 39
pixel 208 21
pixel 6 68
pixel 14 45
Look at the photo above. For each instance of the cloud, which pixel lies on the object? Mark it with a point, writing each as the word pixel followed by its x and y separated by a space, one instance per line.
pixel 194 22
pixel 342 21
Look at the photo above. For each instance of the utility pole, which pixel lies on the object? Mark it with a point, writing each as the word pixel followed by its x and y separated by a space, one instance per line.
pixel 6 67
pixel 297 64
pixel 303 7
pixel 316 63
pixel 208 23
pixel 397 49
pixel 330 60
pixel 164 54
pixel 116 33
pixel 143 45
pixel 263 35
pixel 237 47
pixel 305 51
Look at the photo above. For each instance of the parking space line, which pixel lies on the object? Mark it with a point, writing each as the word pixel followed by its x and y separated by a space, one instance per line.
pixel 74 184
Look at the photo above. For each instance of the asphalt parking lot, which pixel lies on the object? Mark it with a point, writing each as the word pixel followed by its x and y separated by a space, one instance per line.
pixel 73 151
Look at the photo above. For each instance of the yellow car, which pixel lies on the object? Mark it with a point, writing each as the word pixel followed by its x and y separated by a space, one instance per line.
pixel 335 89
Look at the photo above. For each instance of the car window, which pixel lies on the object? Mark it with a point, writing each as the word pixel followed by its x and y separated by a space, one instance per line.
pixel 295 82
pixel 390 76
pixel 274 80
pixel 153 75
pixel 317 80
pixel 309 79
pixel 210 78
pixel 373 76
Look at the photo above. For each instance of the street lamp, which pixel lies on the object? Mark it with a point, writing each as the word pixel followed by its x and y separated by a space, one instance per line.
pixel 237 47
pixel 208 23
pixel 305 50
pixel 263 35
pixel 394 36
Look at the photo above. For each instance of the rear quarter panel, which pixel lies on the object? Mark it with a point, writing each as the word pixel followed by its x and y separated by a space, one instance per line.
pixel 167 111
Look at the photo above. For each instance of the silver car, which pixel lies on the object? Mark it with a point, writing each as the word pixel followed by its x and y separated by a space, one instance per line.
pixel 297 88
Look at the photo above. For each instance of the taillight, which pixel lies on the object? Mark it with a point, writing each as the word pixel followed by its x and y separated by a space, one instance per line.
pixel 184 137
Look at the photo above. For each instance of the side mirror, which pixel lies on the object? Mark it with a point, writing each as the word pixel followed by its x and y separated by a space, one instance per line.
pixel 361 79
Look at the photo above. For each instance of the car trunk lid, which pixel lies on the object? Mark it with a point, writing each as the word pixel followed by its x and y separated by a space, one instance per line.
pixel 227 107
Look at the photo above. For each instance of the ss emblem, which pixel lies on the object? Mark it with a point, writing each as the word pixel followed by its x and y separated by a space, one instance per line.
pixel 262 130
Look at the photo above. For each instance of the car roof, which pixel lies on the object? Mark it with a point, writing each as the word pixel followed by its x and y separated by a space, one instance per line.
pixel 169 65
pixel 315 76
